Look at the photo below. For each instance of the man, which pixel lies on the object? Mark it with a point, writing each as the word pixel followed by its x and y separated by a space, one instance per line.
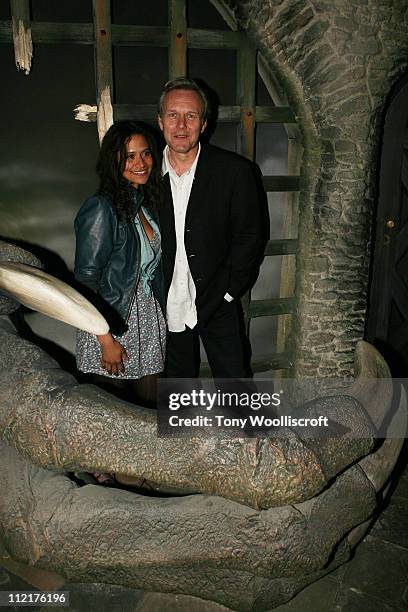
pixel 211 238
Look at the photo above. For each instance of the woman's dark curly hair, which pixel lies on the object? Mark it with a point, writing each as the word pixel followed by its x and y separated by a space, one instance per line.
pixel 111 164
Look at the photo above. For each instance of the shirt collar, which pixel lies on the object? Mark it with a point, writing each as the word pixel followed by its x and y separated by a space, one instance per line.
pixel 167 167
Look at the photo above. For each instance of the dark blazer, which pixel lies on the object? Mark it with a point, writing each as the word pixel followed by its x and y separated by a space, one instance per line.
pixel 222 235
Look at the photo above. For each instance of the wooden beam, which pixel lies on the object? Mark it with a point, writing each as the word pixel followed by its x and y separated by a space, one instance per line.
pixel 290 228
pixel 143 112
pixel 277 94
pixel 229 114
pixel 281 247
pixel 262 363
pixel 123 34
pixel 281 183
pixel 266 114
pixel 103 65
pixel 214 39
pixel 50 32
pixel 246 82
pixel 83 34
pixel 274 114
pixel 143 36
pixel 226 114
pixel 177 39
pixel 23 44
pixel 245 98
pixel 86 112
pixel 273 306
pixel 272 361
pixel 245 94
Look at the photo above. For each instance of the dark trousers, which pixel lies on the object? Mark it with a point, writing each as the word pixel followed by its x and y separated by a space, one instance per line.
pixel 224 341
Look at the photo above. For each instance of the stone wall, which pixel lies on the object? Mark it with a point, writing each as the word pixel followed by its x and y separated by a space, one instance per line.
pixel 337 62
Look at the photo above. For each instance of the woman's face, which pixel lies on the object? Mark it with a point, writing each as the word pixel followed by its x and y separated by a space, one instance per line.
pixel 139 161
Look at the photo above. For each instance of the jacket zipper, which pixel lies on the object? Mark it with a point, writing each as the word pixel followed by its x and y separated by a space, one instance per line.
pixel 137 276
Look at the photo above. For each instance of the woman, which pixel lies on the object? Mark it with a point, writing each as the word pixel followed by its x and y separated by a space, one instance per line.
pixel 118 257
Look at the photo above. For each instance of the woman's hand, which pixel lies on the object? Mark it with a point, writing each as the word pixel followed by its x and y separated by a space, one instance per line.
pixel 113 354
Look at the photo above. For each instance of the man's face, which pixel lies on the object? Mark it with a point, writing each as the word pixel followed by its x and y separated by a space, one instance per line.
pixel 181 122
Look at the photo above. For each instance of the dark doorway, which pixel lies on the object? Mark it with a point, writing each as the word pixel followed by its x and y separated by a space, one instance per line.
pixel 388 314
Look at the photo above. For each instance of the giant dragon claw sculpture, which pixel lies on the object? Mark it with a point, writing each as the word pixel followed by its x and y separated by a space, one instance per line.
pixel 269 515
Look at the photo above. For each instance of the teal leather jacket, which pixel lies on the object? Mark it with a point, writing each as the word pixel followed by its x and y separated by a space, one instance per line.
pixel 107 258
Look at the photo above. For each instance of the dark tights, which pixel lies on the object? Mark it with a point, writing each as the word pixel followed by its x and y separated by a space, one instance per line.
pixel 141 391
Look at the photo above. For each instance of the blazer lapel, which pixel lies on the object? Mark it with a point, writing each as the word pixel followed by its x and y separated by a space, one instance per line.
pixel 167 229
pixel 200 185
pixel 166 211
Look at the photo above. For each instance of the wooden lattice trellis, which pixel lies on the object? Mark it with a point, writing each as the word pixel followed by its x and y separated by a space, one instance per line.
pixel 245 113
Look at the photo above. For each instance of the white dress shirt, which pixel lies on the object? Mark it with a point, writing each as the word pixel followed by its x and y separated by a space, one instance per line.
pixel 181 308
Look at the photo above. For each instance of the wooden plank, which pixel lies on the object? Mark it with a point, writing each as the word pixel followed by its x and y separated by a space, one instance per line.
pixel 245 97
pixel 143 36
pixel 86 112
pixel 277 94
pixel 281 183
pixel 274 114
pixel 273 306
pixel 229 114
pixel 63 33
pixel 214 39
pixel 53 32
pixel 290 228
pixel 142 112
pixel 83 34
pixel 272 361
pixel 103 65
pixel 226 114
pixel 281 247
pixel 268 114
pixel 149 112
pixel 262 363
pixel 246 83
pixel 126 35
pixel 23 44
pixel 177 39
pixel 146 36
